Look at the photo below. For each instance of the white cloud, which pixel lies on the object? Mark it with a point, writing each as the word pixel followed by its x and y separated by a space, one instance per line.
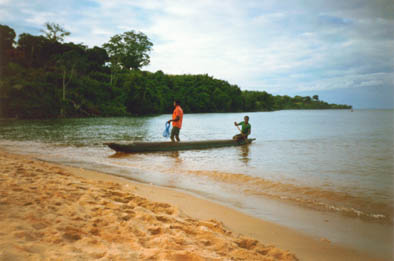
pixel 39 18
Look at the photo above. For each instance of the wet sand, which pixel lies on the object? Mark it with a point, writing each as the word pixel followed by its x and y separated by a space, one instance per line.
pixel 54 212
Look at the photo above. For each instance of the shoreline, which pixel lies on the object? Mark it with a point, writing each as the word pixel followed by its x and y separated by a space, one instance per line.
pixel 227 223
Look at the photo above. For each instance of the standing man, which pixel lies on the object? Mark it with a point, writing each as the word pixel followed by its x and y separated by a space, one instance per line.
pixel 177 117
pixel 245 131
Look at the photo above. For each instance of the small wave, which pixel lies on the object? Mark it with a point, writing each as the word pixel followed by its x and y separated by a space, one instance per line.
pixel 311 197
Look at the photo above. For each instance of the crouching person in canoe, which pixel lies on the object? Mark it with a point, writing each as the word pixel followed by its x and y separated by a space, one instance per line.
pixel 177 117
pixel 245 131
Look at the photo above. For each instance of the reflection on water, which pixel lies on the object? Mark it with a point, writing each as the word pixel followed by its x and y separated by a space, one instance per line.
pixel 244 154
pixel 175 155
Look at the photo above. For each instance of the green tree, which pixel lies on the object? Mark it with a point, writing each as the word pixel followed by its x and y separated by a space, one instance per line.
pixel 69 62
pixel 36 51
pixel 7 37
pixel 222 101
pixel 54 32
pixel 97 57
pixel 7 40
pixel 129 50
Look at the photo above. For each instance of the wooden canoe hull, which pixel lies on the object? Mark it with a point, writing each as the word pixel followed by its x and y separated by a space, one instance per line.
pixel 174 146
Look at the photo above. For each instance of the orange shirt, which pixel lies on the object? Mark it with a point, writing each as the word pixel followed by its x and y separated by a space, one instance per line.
pixel 177 112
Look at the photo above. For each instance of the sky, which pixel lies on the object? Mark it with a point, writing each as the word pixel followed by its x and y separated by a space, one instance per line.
pixel 342 51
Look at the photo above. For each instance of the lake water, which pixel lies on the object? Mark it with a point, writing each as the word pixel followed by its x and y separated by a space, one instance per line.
pixel 328 173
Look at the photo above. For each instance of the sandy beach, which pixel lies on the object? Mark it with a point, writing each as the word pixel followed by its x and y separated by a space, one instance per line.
pixel 54 212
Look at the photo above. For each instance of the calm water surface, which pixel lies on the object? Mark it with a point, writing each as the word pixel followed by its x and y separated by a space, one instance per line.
pixel 333 166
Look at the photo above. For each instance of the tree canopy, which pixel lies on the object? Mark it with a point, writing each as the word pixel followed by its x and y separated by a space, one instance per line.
pixel 54 32
pixel 7 40
pixel 129 50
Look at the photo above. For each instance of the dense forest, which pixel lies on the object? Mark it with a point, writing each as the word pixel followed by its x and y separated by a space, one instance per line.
pixel 44 77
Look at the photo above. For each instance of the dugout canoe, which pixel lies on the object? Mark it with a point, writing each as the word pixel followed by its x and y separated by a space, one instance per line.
pixel 174 146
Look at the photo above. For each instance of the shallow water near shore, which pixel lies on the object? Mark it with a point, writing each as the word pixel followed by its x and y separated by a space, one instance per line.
pixel 327 173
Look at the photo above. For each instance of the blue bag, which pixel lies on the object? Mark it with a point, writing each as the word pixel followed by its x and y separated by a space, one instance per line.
pixel 166 132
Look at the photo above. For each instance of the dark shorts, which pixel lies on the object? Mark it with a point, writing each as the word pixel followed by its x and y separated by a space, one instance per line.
pixel 175 132
pixel 240 137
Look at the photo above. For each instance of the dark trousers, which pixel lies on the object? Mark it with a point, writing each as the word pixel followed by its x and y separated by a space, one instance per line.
pixel 240 137
pixel 175 133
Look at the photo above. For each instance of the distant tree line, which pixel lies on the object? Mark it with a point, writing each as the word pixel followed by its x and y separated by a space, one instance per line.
pixel 43 77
